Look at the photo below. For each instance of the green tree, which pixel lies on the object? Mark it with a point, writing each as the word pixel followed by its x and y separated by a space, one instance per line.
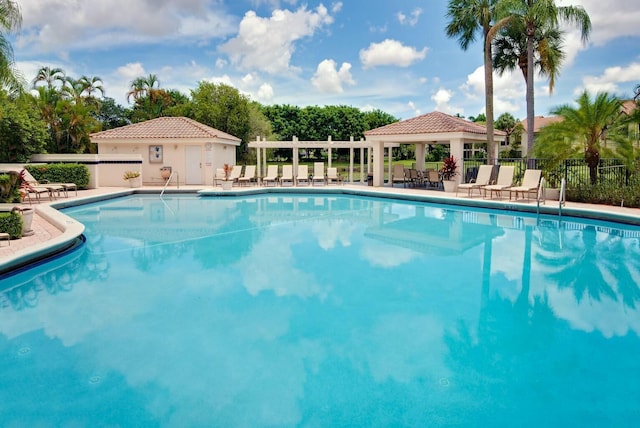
pixel 111 114
pixel 533 15
pixel 49 76
pixel 377 118
pixel 481 118
pixel 591 127
pixel 22 130
pixel 467 18
pixel 225 108
pixel 513 128
pixel 150 101
pixel 10 23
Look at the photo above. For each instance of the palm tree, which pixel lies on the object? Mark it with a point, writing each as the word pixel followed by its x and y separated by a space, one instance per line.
pixel 467 18
pixel 511 51
pixel 534 15
pixel 49 76
pixel 589 127
pixel 90 85
pixel 142 87
pixel 10 22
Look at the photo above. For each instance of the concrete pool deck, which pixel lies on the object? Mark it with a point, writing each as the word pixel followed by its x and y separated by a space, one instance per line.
pixel 54 231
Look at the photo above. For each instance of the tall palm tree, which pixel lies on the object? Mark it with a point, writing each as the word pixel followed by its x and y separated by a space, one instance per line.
pixel 10 22
pixel 510 51
pixel 587 128
pixel 142 87
pixel 91 85
pixel 533 15
pixel 467 18
pixel 49 76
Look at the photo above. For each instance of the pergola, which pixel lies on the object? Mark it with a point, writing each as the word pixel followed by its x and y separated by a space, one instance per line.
pixel 427 129
pixel 295 145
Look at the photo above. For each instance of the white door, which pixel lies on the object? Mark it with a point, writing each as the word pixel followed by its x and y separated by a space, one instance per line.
pixel 193 170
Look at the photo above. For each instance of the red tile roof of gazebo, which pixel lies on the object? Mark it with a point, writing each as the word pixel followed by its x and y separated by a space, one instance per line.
pixel 431 123
pixel 164 128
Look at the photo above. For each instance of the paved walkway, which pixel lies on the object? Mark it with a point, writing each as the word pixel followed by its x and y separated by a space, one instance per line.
pixel 44 231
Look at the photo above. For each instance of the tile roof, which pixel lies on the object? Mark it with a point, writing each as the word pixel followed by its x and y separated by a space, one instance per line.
pixel 540 122
pixel 164 128
pixel 431 123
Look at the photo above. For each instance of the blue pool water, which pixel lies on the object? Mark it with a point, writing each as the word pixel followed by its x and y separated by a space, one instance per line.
pixel 304 310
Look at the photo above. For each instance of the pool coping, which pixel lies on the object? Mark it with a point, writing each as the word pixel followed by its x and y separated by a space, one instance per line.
pixel 72 230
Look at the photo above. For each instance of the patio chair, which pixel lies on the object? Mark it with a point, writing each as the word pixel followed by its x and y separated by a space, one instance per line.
pixel 433 178
pixel 272 175
pixel 333 176
pixel 503 182
pixel 482 179
pixel 530 184
pixel 249 175
pixel 318 173
pixel 34 187
pixel 399 175
pixel 287 175
pixel 235 173
pixel 303 175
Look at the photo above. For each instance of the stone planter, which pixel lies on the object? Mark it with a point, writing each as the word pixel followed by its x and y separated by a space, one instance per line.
pixel 450 186
pixel 135 182
pixel 165 172
pixel 27 219
pixel 227 184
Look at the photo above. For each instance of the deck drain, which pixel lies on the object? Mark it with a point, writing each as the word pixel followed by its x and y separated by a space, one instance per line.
pixel 95 379
pixel 24 350
pixel 444 381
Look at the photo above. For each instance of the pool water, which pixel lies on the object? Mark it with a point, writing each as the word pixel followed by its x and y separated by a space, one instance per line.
pixel 305 310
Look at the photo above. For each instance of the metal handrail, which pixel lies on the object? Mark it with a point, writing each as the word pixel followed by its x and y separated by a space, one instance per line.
pixel 169 181
pixel 541 193
pixel 562 198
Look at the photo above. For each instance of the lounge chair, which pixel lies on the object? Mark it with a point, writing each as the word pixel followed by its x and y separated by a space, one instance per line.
pixel 249 175
pixel 235 173
pixel 482 179
pixel 399 175
pixel 530 184
pixel 27 190
pixel 414 177
pixel 503 182
pixel 272 175
pixel 303 175
pixel 219 177
pixel 333 176
pixel 318 173
pixel 32 186
pixel 287 175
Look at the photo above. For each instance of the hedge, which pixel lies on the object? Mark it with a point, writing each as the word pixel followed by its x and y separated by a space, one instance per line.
pixel 11 223
pixel 61 173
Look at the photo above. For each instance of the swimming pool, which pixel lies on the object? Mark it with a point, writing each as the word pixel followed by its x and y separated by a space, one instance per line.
pixel 325 310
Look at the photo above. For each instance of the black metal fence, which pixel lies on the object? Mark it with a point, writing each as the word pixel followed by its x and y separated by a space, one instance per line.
pixel 575 171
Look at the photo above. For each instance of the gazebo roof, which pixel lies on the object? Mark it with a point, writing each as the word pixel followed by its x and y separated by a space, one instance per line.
pixel 432 123
pixel 165 128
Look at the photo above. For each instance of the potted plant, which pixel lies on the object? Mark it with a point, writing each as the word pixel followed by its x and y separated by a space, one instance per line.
pixel 448 171
pixel 27 219
pixel 133 177
pixel 227 183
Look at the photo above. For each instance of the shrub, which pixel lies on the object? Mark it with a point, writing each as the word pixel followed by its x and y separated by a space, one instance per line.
pixel 10 187
pixel 606 193
pixel 449 168
pixel 61 173
pixel 11 223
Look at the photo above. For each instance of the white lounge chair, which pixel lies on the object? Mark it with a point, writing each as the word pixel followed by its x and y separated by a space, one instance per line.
pixel 287 175
pixel 530 183
pixel 249 175
pixel 482 179
pixel 272 175
pixel 303 175
pixel 333 176
pixel 219 177
pixel 318 173
pixel 236 172
pixel 503 182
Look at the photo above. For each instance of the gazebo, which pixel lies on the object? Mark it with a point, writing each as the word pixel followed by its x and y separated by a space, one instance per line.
pixel 430 128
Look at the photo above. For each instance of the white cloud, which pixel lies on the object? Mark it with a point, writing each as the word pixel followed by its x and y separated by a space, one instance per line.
pixel 221 63
pixel 329 79
pixel 508 90
pixel 611 20
pixel 442 97
pixel 611 79
pixel 131 70
pixel 390 52
pixel 267 44
pixel 103 24
pixel 265 93
pixel 412 106
pixel 410 20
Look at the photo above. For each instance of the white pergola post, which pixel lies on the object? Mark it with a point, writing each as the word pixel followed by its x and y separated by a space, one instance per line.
pixel 258 157
pixel 456 149
pixel 420 148
pixel 351 160
pixel 378 163
pixel 361 164
pixel 390 166
pixel 295 156
pixel 329 150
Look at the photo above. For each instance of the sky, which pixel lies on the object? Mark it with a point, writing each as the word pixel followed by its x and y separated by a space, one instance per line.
pixel 369 54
